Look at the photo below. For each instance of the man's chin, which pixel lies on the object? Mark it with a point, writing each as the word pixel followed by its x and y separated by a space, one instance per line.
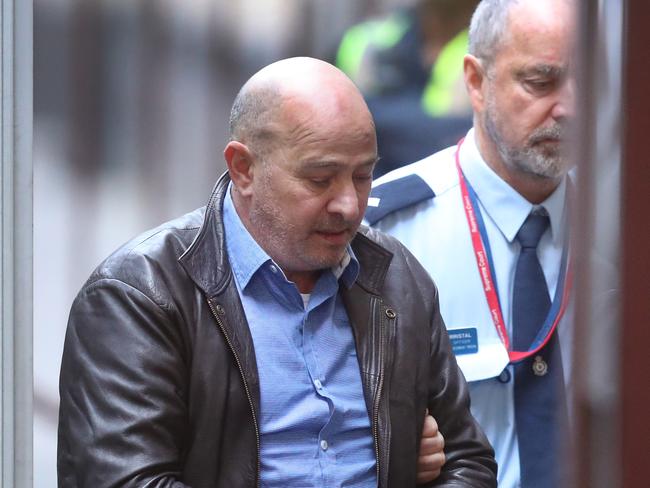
pixel 544 164
pixel 330 258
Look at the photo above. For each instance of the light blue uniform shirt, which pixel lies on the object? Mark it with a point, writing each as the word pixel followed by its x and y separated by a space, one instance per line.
pixel 435 229
pixel 314 425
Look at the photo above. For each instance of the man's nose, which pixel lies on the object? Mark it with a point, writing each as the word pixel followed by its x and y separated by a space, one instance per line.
pixel 565 105
pixel 345 202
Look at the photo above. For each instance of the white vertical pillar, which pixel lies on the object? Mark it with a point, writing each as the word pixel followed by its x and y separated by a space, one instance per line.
pixel 16 42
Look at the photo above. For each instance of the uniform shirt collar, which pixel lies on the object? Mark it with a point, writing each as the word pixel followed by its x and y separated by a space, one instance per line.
pixel 504 205
pixel 247 257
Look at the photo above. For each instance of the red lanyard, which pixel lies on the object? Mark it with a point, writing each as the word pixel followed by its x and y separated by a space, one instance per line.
pixel 482 260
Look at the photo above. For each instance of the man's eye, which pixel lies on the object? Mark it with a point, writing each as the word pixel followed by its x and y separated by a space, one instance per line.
pixel 540 85
pixel 320 182
pixel 364 177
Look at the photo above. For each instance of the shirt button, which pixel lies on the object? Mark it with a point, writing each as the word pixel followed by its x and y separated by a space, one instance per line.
pixel 323 445
pixel 274 269
pixel 318 384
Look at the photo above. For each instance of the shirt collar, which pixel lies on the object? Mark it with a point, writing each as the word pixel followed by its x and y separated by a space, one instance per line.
pixel 247 257
pixel 504 205
pixel 244 253
pixel 556 208
pixel 348 268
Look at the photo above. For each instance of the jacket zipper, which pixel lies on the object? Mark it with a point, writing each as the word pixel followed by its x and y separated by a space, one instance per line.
pixel 375 420
pixel 248 394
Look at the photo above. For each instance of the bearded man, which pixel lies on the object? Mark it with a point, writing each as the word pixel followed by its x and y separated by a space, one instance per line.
pixel 488 220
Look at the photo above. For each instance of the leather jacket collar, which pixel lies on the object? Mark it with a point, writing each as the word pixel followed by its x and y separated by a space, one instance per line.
pixel 206 260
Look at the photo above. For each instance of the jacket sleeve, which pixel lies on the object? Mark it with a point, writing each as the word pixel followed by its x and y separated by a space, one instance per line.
pixel 469 456
pixel 123 417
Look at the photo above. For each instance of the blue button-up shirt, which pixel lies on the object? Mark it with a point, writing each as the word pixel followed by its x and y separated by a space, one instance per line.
pixel 314 426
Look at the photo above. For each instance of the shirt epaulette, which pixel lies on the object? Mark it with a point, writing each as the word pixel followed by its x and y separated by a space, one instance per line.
pixel 395 195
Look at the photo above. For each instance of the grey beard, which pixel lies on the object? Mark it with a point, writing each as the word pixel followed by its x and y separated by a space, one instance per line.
pixel 533 159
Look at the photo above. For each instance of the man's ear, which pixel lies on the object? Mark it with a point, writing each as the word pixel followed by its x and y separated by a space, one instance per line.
pixel 475 80
pixel 240 162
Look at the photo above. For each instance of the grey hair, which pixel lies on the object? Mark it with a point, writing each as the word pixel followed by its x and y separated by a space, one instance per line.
pixel 488 28
pixel 252 111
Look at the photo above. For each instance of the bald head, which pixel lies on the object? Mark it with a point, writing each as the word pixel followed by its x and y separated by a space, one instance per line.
pixel 286 93
pixel 301 158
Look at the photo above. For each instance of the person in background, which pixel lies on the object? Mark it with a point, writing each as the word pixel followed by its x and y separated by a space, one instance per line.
pixel 267 339
pixel 409 66
pixel 488 218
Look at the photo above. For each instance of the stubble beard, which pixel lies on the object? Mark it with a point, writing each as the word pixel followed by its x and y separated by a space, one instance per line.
pixel 544 161
pixel 288 243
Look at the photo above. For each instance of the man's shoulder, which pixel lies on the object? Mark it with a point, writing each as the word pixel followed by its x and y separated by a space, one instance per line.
pixel 378 238
pixel 400 258
pixel 155 251
pixel 411 185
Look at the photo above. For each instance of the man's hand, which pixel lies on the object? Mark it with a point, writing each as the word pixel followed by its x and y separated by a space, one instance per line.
pixel 432 456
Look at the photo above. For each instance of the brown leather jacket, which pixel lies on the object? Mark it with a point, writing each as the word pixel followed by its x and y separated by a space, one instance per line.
pixel 159 385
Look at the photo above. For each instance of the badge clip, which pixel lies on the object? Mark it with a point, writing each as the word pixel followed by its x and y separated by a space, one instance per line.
pixel 540 368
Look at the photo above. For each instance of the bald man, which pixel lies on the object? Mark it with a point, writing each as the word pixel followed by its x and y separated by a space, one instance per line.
pixel 267 339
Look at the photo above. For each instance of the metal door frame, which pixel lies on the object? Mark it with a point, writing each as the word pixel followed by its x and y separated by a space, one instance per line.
pixel 16 39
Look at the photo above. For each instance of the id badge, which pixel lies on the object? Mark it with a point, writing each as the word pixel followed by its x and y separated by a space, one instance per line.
pixel 478 361
pixel 464 341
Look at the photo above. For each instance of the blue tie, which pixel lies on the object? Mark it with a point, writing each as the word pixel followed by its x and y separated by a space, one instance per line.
pixel 539 386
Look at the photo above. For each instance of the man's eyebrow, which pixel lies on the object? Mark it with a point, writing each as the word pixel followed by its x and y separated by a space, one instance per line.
pixel 325 164
pixel 322 164
pixel 371 162
pixel 545 70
